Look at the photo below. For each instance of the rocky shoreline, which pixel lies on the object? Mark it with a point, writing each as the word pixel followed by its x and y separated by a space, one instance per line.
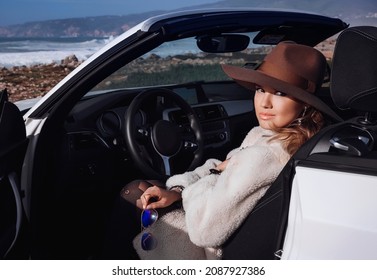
pixel 25 82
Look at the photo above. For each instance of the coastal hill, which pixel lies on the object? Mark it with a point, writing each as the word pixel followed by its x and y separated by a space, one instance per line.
pixel 354 12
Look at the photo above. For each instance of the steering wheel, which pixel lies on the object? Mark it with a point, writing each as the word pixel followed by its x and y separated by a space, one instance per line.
pixel 157 145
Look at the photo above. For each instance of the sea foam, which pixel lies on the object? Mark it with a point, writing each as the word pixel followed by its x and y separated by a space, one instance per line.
pixel 19 52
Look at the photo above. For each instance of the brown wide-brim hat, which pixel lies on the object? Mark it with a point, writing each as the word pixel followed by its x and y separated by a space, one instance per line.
pixel 294 69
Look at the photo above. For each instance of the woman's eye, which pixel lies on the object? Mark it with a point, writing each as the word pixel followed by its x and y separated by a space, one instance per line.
pixel 279 93
pixel 259 89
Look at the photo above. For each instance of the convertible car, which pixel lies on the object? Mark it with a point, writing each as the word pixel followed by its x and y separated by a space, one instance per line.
pixel 154 102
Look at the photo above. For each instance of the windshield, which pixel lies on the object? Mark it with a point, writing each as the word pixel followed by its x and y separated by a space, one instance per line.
pixel 178 62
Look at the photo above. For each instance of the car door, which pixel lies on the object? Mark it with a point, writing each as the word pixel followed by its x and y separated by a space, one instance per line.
pixel 13 143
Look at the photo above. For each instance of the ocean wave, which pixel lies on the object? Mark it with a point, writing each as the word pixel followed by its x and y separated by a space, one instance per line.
pixel 40 57
pixel 32 51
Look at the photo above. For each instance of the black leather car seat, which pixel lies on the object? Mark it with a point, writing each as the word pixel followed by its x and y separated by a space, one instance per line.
pixel 13 143
pixel 348 146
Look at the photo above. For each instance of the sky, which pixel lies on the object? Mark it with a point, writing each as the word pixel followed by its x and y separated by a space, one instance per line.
pixel 21 11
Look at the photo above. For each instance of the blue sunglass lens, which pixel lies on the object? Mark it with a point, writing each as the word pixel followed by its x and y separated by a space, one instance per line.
pixel 148 242
pixel 148 217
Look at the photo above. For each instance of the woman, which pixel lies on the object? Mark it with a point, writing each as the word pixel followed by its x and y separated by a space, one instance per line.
pixel 217 196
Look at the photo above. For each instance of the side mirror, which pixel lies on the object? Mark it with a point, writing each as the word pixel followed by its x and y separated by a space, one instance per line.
pixel 223 43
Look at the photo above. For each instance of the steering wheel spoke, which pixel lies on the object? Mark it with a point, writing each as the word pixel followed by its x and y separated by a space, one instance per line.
pixel 189 145
pixel 142 132
pixel 167 165
pixel 189 141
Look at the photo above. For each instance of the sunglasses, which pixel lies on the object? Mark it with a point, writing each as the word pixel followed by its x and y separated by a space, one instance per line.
pixel 148 218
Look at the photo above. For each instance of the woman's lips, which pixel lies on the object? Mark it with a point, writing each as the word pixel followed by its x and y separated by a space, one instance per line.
pixel 266 116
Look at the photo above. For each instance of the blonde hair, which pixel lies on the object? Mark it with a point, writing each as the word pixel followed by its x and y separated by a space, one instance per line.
pixel 300 130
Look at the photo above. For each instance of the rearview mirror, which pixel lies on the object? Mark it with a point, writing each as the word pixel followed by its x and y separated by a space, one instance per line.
pixel 223 43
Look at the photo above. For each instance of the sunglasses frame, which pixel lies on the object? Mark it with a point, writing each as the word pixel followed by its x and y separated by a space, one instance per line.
pixel 148 242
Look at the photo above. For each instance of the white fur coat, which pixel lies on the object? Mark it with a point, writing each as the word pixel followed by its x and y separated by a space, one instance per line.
pixel 215 205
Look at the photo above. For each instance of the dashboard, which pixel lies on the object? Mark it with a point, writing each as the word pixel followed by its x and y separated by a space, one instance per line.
pixel 95 128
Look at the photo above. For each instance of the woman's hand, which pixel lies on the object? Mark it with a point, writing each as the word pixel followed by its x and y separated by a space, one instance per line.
pixel 221 166
pixel 156 197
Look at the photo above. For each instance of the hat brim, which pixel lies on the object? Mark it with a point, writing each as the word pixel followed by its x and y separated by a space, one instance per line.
pixel 249 78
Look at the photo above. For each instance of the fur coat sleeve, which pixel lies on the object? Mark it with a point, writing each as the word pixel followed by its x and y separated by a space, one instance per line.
pixel 216 205
pixel 191 177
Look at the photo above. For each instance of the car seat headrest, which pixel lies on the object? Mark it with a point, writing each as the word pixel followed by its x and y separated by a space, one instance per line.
pixel 354 71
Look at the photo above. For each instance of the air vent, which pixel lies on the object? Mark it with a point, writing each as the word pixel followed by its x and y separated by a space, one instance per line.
pixel 205 113
pixel 211 112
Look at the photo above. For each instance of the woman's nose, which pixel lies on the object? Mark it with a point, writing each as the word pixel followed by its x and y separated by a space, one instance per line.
pixel 266 100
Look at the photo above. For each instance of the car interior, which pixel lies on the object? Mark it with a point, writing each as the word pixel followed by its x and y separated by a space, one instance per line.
pixel 92 146
pixel 91 162
pixel 93 158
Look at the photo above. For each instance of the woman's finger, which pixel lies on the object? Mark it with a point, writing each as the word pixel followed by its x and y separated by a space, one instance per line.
pixel 145 199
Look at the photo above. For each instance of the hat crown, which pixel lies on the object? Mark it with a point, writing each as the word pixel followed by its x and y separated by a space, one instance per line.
pixel 296 64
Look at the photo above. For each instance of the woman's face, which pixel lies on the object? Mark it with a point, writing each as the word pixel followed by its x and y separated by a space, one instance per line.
pixel 275 109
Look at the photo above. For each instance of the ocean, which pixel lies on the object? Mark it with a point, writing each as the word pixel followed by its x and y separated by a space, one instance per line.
pixel 31 51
